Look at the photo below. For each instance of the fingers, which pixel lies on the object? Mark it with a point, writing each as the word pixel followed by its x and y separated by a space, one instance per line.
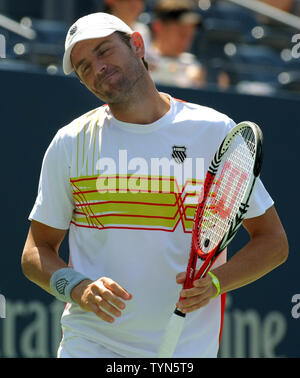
pixel 101 314
pixel 180 277
pixel 189 305
pixel 105 298
pixel 109 291
pixel 196 297
pixel 115 288
pixel 200 286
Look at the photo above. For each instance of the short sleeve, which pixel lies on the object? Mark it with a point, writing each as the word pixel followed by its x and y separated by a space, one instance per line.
pixel 260 201
pixel 54 204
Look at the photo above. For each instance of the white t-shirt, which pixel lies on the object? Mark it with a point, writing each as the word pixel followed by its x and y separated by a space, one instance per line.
pixel 128 220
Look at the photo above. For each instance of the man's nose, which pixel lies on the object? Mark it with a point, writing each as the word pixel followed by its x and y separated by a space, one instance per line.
pixel 99 67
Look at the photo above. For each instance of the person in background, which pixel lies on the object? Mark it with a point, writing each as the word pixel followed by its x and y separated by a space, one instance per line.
pixel 173 30
pixel 129 12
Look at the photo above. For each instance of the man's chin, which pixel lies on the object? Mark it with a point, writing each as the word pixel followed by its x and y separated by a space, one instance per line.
pixel 108 98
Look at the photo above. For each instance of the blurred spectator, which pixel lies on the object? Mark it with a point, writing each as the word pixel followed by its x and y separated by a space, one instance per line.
pixel 129 11
pixel 173 30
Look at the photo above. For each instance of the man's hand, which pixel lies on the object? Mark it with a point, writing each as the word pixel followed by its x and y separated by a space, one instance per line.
pixel 104 297
pixel 196 297
pixel 267 249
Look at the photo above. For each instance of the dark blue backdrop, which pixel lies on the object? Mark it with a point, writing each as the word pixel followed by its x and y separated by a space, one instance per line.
pixel 258 319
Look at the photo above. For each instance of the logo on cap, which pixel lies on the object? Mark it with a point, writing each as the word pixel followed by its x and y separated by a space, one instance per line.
pixel 73 30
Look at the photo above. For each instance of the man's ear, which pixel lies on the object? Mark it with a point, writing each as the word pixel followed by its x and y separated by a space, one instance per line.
pixel 138 44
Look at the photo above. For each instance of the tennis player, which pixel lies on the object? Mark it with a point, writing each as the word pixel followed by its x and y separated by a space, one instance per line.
pixel 129 223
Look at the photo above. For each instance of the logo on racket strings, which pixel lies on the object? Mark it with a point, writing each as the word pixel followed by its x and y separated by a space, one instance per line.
pixel 232 180
pixel 224 196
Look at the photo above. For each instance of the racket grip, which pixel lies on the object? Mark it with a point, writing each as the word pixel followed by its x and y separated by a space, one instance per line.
pixel 172 334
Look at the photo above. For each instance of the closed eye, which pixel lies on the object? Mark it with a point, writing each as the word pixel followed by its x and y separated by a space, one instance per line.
pixel 102 48
pixel 85 68
pixel 102 52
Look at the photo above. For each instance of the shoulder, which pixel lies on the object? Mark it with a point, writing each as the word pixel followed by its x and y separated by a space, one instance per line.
pixel 84 122
pixel 68 136
pixel 201 115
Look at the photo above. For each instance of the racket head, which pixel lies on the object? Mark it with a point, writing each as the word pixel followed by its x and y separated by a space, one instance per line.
pixel 226 193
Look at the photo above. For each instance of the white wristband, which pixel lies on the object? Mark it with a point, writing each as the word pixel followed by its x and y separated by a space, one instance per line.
pixel 63 281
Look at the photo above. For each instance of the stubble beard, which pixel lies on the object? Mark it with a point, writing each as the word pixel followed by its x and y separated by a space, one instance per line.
pixel 124 88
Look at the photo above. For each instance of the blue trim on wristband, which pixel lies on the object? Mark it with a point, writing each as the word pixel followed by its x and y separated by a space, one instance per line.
pixel 63 281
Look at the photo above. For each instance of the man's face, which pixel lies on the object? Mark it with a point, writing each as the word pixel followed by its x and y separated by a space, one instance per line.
pixel 107 67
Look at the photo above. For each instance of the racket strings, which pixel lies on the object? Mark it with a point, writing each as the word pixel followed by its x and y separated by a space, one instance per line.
pixel 227 191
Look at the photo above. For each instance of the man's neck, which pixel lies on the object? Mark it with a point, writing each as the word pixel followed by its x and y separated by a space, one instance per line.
pixel 143 108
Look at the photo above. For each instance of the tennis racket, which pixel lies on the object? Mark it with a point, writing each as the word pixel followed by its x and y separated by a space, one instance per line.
pixel 221 208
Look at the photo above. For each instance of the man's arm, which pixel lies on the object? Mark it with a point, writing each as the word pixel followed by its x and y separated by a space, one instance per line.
pixel 267 249
pixel 40 260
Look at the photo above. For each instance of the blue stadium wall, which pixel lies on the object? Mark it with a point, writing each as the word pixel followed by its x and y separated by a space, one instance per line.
pixel 261 320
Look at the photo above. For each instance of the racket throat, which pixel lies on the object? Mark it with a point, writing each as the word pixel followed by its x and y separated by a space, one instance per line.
pixel 204 268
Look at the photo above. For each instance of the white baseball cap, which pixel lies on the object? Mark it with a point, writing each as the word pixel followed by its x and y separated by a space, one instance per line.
pixel 95 25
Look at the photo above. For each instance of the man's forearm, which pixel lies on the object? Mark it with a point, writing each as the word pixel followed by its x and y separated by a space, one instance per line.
pixel 39 263
pixel 40 257
pixel 260 256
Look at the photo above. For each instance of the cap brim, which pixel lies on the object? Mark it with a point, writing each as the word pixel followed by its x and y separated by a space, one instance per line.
pixel 93 34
